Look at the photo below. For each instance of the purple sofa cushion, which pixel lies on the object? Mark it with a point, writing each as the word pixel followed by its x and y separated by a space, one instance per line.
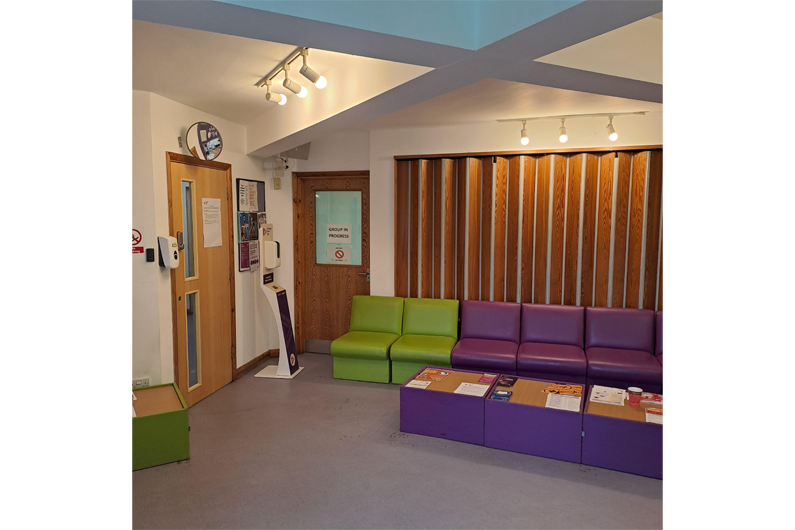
pixel 485 354
pixel 625 329
pixel 632 366
pixel 563 359
pixel 490 320
pixel 658 331
pixel 659 358
pixel 553 324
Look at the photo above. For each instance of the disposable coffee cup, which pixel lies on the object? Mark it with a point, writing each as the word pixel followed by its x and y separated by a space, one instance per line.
pixel 634 396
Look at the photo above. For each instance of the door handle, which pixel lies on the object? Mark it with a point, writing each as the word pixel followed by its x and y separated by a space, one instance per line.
pixel 365 274
pixel 180 241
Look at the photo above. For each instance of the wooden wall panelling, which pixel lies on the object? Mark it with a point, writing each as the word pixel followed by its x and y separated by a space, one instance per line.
pixel 512 240
pixel 473 259
pixel 558 230
pixel 635 240
pixel 604 220
pixel 485 226
pixel 402 228
pixel 437 228
pixel 528 227
pixel 461 186
pixel 572 230
pixel 588 229
pixel 622 217
pixel 542 224
pixel 653 211
pixel 426 178
pixel 449 228
pixel 414 226
pixel 500 187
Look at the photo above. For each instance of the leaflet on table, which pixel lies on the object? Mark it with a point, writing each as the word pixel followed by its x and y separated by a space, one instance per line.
pixel 501 395
pixel 431 374
pixel 648 397
pixel 566 390
pixel 563 402
pixel 506 381
pixel 608 396
pixel 418 384
pixel 471 389
pixel 487 378
pixel 654 415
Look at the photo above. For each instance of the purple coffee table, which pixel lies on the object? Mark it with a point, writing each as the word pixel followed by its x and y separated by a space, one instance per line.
pixel 437 411
pixel 619 438
pixel 525 425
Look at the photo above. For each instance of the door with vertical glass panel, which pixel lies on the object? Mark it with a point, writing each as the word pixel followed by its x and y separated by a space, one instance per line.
pixel 202 287
pixel 333 254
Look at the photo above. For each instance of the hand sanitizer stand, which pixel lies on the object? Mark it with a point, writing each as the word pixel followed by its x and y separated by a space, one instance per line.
pixel 277 298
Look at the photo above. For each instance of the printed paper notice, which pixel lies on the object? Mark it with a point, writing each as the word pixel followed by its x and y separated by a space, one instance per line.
pixel 654 416
pixel 418 384
pixel 562 402
pixel 338 234
pixel 211 221
pixel 471 389
pixel 253 253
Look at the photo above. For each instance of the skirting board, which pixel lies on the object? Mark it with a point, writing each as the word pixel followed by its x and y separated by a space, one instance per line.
pixel 253 363
pixel 270 372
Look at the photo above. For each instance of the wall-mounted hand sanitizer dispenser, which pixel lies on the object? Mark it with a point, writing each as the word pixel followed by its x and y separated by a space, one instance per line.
pixel 271 254
pixel 169 252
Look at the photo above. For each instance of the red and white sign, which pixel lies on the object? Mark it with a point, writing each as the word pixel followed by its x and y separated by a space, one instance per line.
pixel 137 239
pixel 338 254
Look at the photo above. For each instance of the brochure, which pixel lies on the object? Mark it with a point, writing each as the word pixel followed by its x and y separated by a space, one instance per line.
pixel 648 397
pixel 562 402
pixel 654 416
pixel 431 374
pixel 471 389
pixel 506 381
pixel 564 390
pixel 487 378
pixel 608 396
pixel 501 395
pixel 418 384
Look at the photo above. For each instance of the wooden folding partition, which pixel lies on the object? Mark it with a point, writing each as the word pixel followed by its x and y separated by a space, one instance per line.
pixel 574 228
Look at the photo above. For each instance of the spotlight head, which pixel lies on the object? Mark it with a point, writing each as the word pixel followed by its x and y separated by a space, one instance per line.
pixel 525 139
pixel 318 80
pixel 294 87
pixel 611 132
pixel 281 99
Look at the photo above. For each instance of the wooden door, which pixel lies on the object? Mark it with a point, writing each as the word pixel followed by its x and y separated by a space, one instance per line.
pixel 326 276
pixel 203 284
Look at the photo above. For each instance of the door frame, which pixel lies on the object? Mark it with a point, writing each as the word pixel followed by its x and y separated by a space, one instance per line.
pixel 192 161
pixel 299 259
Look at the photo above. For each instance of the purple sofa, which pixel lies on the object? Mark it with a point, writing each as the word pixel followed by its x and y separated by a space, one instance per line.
pixel 489 337
pixel 552 340
pixel 658 330
pixel 619 345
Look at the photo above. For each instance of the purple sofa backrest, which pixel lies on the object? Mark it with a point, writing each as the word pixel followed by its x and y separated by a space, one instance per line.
pixel 490 320
pixel 613 327
pixel 658 330
pixel 555 324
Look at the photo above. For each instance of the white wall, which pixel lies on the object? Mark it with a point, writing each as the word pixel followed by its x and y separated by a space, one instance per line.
pixel 152 320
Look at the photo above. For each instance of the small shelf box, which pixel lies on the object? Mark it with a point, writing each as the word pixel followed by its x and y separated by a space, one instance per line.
pixel 160 426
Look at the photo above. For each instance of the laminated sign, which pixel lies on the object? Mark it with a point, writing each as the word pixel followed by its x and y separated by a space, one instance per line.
pixel 338 234
pixel 338 254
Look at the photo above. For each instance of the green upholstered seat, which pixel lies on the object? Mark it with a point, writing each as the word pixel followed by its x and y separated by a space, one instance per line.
pixel 363 353
pixel 430 330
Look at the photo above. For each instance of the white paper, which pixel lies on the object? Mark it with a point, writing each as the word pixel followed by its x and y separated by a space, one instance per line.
pixel 653 418
pixel 211 221
pixel 560 402
pixel 253 255
pixel 242 196
pixel 338 234
pixel 262 219
pixel 253 202
pixel 418 384
pixel 471 389
pixel 608 396
pixel 133 411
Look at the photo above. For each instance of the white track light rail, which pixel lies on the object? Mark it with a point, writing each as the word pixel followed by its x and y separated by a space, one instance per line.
pixel 562 135
pixel 284 67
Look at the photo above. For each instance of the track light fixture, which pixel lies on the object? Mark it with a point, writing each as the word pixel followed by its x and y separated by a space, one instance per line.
pixel 318 80
pixel 281 99
pixel 563 136
pixel 291 85
pixel 611 131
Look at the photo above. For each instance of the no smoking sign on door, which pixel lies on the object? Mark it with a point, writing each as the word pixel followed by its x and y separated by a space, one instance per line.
pixel 338 254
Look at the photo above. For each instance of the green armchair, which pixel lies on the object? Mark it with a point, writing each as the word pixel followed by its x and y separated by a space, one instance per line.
pixel 363 353
pixel 430 330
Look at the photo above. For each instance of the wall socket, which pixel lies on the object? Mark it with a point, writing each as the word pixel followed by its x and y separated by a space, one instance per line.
pixel 140 383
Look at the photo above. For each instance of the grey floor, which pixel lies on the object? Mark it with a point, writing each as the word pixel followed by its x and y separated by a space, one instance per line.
pixel 316 452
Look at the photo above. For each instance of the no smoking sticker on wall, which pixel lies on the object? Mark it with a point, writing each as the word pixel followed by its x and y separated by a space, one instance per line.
pixel 338 254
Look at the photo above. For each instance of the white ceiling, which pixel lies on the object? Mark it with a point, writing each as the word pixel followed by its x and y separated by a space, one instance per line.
pixel 216 73
pixel 634 51
pixel 490 100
